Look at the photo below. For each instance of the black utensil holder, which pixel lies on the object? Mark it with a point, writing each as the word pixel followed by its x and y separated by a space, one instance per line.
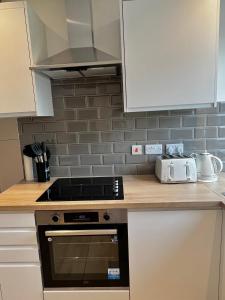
pixel 43 172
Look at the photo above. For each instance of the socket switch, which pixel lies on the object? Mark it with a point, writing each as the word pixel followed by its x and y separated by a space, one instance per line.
pixel 153 149
pixel 175 149
pixel 137 150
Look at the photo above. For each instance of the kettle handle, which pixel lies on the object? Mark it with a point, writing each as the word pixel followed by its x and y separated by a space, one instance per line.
pixel 219 162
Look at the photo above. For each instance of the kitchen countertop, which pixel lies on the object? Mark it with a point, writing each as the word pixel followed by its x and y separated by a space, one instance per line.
pixel 140 192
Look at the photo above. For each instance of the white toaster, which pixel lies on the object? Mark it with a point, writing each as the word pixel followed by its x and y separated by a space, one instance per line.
pixel 176 169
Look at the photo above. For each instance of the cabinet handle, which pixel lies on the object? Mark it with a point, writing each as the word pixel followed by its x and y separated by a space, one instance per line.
pixel 80 232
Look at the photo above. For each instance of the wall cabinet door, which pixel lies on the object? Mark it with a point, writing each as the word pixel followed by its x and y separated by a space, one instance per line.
pixel 21 91
pixel 20 281
pixel 169 53
pixel 174 255
pixel 16 87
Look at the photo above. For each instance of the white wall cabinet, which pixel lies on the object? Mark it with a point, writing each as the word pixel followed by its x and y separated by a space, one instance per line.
pixel 174 255
pixel 22 91
pixel 170 51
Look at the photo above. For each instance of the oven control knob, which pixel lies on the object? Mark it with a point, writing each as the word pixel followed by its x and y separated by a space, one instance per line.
pixel 55 218
pixel 106 217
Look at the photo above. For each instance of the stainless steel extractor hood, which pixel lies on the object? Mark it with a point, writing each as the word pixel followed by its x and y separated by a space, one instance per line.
pixel 82 57
pixel 85 61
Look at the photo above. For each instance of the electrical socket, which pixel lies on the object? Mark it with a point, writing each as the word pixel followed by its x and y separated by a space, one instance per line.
pixel 175 149
pixel 153 149
pixel 137 150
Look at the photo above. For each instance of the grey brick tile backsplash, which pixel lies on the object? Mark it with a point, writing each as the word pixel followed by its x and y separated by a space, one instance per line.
pixel 98 101
pixel 63 115
pixel 146 123
pixel 55 127
pixel 81 171
pixel 206 132
pixel 74 102
pixel 111 159
pixel 103 170
pixel 77 126
pixel 92 159
pixel 66 138
pixel 85 89
pixel 49 138
pixel 138 135
pixel 58 102
pixel 89 138
pixel 169 122
pixel 194 121
pixel 62 90
pixel 158 134
pixel 60 171
pixel 79 149
pixel 123 124
pixel 102 148
pixel 113 136
pixel 91 135
pixel 99 125
pixel 69 160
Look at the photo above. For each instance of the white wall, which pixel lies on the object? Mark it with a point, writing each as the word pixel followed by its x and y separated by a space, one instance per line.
pixel 11 170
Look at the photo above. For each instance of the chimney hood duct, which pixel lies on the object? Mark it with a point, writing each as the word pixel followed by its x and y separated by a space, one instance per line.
pixel 82 58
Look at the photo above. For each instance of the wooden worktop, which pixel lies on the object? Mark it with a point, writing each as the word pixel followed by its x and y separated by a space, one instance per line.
pixel 140 192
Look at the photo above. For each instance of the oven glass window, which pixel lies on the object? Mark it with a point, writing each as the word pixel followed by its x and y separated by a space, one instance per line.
pixel 85 258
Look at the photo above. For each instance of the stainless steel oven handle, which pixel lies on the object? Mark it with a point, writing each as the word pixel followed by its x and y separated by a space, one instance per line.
pixel 80 232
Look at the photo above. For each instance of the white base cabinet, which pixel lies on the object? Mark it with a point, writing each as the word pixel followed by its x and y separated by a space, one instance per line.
pixel 20 281
pixel 174 255
pixel 20 273
pixel 222 269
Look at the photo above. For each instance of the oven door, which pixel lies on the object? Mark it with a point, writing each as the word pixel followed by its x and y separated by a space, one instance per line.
pixel 84 255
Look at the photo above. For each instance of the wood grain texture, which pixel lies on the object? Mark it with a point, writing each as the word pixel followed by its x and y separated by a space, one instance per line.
pixel 140 192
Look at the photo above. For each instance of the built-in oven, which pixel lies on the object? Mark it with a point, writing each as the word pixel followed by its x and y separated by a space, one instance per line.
pixel 84 249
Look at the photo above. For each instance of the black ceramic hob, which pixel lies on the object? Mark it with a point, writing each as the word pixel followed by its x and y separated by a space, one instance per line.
pixel 80 189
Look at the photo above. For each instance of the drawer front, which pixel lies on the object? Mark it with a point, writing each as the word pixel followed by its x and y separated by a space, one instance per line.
pixel 87 295
pixel 19 254
pixel 13 220
pixel 17 237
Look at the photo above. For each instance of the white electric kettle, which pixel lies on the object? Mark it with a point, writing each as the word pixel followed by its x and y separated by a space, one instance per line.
pixel 208 166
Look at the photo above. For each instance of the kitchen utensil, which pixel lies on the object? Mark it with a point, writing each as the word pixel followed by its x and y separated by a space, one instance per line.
pixel 28 151
pixel 36 147
pixel 44 151
pixel 208 166
pixel 176 169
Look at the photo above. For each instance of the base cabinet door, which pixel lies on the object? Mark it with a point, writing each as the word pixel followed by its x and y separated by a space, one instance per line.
pixel 222 269
pixel 20 281
pixel 174 255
